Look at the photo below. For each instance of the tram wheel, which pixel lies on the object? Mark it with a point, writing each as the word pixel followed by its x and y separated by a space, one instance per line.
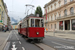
pixel 32 42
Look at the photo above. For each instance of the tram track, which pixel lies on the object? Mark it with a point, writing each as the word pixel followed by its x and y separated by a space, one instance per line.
pixel 44 46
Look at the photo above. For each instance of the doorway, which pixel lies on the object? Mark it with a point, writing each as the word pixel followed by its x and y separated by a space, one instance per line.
pixel 67 25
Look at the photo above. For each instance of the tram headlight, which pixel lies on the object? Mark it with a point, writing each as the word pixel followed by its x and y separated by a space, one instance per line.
pixel 37 33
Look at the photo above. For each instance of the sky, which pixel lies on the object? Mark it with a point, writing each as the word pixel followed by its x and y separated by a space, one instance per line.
pixel 17 8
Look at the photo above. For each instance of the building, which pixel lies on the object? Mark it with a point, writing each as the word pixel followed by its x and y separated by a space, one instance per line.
pixel 8 23
pixel 60 15
pixel 15 26
pixel 3 14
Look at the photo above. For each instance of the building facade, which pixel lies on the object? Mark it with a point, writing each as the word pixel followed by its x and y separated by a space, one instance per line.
pixel 60 15
pixel 15 26
pixel 3 14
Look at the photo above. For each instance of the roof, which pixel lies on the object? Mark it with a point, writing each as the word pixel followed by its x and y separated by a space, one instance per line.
pixel 49 3
pixel 30 15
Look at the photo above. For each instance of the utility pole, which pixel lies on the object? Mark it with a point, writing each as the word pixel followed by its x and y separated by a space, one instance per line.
pixel 29 6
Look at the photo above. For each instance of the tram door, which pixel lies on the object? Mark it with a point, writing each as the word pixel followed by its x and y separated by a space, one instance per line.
pixel 27 27
pixel 20 28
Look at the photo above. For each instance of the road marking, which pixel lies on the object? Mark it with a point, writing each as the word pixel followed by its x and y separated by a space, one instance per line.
pixel 58 43
pixel 13 47
pixel 10 35
pixel 70 40
pixel 23 48
pixel 62 41
pixel 7 39
pixel 16 36
pixel 19 42
pixel 13 43
pixel 63 46
pixel 7 46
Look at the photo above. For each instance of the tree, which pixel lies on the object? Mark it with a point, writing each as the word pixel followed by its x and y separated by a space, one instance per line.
pixel 38 11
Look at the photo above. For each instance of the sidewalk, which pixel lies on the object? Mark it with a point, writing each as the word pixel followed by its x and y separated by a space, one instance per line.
pixel 61 35
pixel 3 39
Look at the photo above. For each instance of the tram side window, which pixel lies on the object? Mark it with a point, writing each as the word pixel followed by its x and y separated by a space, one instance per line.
pixel 42 23
pixel 27 23
pixel 21 25
pixel 32 22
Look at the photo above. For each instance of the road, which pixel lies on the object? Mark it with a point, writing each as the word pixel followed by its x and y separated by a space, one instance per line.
pixel 59 43
pixel 16 42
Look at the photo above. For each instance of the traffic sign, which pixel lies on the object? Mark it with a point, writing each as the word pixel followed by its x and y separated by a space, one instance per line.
pixel 1 21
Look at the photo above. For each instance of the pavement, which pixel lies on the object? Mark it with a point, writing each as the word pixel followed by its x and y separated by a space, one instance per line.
pixel 61 35
pixel 3 39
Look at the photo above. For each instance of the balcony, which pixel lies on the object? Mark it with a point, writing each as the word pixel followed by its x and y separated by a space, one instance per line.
pixel 66 16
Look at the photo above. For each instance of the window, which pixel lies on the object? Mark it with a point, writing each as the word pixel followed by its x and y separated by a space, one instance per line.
pixel 51 18
pixel 65 12
pixel 51 26
pixel 55 17
pixel 0 10
pixel 55 26
pixel 48 8
pixel 61 25
pixel 59 3
pixel 55 5
pixel 48 18
pixel 51 7
pixel 59 15
pixel 48 26
pixel 2 15
pixel 65 1
pixel 71 0
pixel 71 10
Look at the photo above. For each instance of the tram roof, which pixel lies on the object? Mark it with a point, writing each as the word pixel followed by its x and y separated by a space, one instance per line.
pixel 32 16
pixel 35 17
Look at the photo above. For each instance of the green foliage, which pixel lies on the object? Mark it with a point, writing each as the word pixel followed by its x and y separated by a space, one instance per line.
pixel 38 11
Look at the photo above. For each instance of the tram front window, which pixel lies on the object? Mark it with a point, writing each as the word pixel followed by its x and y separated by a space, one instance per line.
pixel 36 22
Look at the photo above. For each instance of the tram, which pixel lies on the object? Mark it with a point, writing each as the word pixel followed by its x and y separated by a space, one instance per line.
pixel 32 28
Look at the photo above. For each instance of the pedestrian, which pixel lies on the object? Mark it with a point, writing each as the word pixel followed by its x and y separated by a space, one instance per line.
pixel 45 31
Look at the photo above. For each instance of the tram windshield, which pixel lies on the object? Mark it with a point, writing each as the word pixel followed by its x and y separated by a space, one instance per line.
pixel 36 22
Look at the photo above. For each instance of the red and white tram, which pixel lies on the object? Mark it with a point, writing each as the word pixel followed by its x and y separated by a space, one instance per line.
pixel 32 28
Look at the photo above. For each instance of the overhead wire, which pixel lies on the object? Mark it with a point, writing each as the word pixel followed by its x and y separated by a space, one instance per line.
pixel 31 2
pixel 26 11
